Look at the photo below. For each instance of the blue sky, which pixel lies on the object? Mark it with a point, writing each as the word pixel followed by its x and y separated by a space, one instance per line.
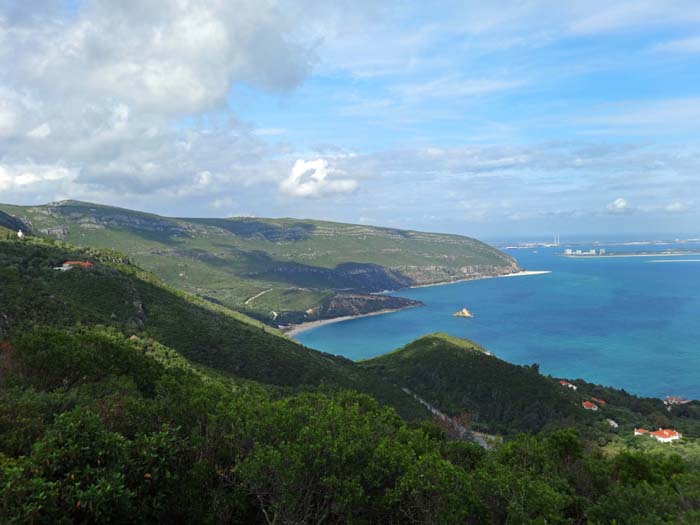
pixel 506 118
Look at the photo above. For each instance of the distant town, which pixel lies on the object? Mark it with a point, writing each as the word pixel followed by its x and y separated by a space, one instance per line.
pixel 580 253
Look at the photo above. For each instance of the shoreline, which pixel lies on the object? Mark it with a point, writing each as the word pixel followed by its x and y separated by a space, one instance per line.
pixel 521 273
pixel 616 255
pixel 295 329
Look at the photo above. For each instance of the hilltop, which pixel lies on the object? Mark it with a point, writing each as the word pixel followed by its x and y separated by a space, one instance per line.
pixel 280 271
pixel 461 378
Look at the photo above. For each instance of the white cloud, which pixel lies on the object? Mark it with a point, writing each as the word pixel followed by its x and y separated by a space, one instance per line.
pixel 40 132
pixel 21 177
pixel 676 207
pixel 619 205
pixel 163 56
pixel 682 45
pixel 223 202
pixel 8 119
pixel 310 179
pixel 264 132
pixel 452 87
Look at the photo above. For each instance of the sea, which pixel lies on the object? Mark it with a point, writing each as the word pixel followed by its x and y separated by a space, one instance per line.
pixel 628 322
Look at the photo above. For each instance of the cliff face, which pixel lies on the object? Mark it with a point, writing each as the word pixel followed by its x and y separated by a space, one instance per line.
pixel 422 275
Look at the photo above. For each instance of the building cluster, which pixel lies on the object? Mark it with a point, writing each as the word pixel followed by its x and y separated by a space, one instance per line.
pixel 663 435
pixel 675 400
pixel 592 251
pixel 568 385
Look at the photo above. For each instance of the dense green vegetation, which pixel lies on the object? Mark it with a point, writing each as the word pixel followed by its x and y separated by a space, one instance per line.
pixel 125 400
pixel 459 377
pixel 98 428
pixel 277 270
pixel 116 293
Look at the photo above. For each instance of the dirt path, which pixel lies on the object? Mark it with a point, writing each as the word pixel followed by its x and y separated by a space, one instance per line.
pixel 250 299
pixel 464 432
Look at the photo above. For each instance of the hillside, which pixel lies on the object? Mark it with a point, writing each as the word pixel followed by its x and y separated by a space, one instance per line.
pixel 96 427
pixel 280 271
pixel 114 292
pixel 458 376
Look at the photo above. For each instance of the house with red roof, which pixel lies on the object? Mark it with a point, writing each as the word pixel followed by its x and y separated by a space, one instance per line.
pixel 666 435
pixel 69 265
pixel 599 402
pixel 675 400
pixel 663 435
pixel 566 383
pixel 589 406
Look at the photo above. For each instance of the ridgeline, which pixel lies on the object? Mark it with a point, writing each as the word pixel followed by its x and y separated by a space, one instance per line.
pixel 280 271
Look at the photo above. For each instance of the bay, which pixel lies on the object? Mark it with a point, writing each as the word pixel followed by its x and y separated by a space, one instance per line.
pixel 628 322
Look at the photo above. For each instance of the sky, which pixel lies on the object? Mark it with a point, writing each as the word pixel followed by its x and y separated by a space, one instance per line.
pixel 492 119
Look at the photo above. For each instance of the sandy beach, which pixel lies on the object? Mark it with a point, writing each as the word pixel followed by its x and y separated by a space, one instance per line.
pixel 293 330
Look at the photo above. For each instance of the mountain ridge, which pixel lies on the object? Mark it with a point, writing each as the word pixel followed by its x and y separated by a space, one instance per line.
pixel 303 266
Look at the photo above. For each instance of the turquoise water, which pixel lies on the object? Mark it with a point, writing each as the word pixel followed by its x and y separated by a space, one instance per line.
pixel 626 322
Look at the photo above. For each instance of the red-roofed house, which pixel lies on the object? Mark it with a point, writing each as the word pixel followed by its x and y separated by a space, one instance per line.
pixel 566 383
pixel 589 406
pixel 600 402
pixel 675 400
pixel 666 435
pixel 68 265
pixel 640 431
pixel 82 264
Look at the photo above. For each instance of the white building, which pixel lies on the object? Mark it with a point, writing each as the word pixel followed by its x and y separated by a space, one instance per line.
pixel 666 435
pixel 663 435
pixel 20 234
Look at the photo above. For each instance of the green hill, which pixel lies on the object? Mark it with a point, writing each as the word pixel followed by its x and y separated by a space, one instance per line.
pixel 277 270
pixel 457 376
pixel 114 292
pixel 96 427
pixel 123 400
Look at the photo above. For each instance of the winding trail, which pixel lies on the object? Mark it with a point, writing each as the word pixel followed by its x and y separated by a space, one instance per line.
pixel 250 299
pixel 462 431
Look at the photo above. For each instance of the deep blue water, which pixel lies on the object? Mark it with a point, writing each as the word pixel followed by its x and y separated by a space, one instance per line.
pixel 626 322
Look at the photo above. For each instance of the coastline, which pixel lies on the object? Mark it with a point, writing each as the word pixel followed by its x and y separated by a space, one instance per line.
pixel 616 255
pixel 293 330
pixel 521 273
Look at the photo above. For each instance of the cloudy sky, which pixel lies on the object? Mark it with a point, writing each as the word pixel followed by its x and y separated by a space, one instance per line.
pixel 484 118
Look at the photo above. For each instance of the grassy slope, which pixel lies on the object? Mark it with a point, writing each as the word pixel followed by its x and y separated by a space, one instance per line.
pixel 135 301
pixel 457 375
pixel 232 260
